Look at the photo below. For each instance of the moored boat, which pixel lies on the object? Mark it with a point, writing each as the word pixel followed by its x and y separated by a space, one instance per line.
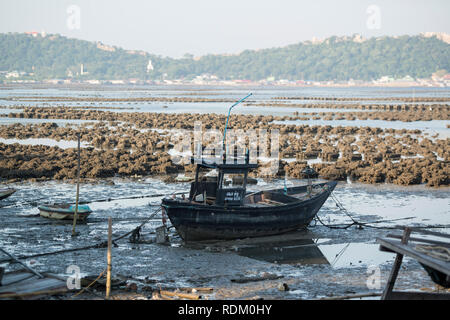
pixel 64 212
pixel 6 192
pixel 216 211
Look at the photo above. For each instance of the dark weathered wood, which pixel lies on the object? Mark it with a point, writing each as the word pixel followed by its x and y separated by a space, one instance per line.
pixel 354 296
pixel 5 193
pixel 14 277
pixel 395 268
pixel 27 283
pixel 21 263
pixel 399 295
pixel 402 248
pixel 398 247
pixel 434 233
pixel 440 243
pixel 32 294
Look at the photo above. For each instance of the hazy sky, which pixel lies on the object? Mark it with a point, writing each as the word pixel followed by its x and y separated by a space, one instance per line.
pixel 175 27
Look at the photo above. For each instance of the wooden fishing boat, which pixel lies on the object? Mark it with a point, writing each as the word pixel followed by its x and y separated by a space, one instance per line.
pixel 6 192
pixel 64 212
pixel 216 211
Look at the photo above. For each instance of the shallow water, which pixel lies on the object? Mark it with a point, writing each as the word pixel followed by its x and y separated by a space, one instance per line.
pixel 63 144
pixel 431 127
pixel 36 97
pixel 59 122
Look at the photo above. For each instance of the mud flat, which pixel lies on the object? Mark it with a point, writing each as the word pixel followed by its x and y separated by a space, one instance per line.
pixel 405 116
pixel 404 99
pixel 357 106
pixel 319 263
pixel 104 99
pixel 126 144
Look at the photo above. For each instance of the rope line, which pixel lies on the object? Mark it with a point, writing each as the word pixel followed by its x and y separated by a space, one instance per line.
pixel 361 225
pixel 85 288
pixel 438 252
pixel 103 244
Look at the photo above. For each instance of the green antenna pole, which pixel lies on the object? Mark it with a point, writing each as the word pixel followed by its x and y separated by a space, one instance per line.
pixel 226 124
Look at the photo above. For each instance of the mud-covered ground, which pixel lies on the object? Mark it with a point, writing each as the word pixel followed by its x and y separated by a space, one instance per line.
pixel 320 262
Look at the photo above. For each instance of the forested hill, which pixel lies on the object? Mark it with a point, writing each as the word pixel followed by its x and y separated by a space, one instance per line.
pixel 336 58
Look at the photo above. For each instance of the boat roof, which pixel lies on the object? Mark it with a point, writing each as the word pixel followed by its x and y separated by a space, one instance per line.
pixel 230 165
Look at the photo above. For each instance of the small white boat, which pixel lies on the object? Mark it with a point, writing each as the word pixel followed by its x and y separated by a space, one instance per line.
pixel 64 212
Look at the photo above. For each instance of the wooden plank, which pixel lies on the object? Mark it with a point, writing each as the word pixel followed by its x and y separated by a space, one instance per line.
pixel 108 256
pixel 434 263
pixel 21 263
pixel 33 285
pixel 401 295
pixel 434 233
pixel 10 278
pixel 354 296
pixel 440 243
pixel 189 296
pixel 32 294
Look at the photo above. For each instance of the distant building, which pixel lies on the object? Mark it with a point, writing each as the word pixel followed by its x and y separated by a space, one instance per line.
pixel 440 35
pixel 104 47
pixel 12 74
pixel 32 33
pixel 93 81
pixel 149 66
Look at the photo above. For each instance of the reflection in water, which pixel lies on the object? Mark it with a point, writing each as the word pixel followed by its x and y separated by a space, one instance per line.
pixel 311 251
pixel 301 251
pixel 354 254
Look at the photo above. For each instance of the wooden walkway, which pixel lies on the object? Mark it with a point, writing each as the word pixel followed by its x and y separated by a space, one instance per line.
pixel 26 285
pixel 423 251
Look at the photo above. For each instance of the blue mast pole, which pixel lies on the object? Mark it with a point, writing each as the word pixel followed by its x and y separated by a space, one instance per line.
pixel 226 124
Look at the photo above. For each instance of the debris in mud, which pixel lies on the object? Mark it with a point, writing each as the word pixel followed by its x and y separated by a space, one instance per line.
pixel 263 277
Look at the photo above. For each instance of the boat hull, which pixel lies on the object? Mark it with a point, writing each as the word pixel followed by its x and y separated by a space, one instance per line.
pixel 207 222
pixel 62 213
pixel 5 193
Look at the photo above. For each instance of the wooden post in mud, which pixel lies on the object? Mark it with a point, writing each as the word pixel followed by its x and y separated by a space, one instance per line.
pixel 396 267
pixel 78 190
pixel 108 257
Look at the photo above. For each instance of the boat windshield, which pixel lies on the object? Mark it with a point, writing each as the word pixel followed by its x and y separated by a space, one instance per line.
pixel 232 180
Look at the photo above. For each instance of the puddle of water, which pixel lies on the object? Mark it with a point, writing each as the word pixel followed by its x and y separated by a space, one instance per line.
pixel 60 122
pixel 63 144
pixel 431 127
pixel 301 251
pixel 347 255
pixel 386 202
pixel 313 252
pixel 7 111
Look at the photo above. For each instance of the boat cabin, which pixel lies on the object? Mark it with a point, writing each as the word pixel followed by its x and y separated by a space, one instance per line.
pixel 215 189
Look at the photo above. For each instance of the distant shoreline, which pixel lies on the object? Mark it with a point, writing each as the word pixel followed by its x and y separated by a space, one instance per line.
pixel 211 86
